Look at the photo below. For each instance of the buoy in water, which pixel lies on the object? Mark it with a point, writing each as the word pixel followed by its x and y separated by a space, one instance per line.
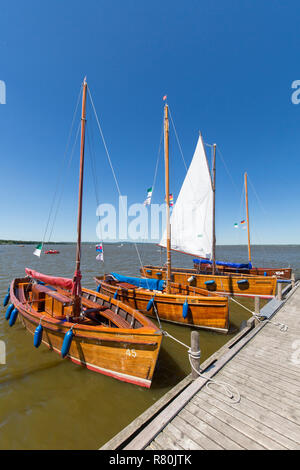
pixel 38 334
pixel 67 343
pixel 150 304
pixel 185 309
pixel 8 311
pixel 13 317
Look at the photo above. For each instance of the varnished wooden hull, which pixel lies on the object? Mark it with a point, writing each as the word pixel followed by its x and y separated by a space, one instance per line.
pixel 205 311
pixel 280 273
pixel 262 286
pixel 129 355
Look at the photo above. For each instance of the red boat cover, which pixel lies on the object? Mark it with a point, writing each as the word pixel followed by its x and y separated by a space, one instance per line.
pixel 62 282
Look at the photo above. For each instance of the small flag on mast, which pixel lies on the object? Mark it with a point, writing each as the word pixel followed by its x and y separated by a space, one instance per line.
pixel 38 250
pixel 147 202
pixel 99 250
pixel 242 221
pixel 164 98
pixel 236 225
pixel 171 201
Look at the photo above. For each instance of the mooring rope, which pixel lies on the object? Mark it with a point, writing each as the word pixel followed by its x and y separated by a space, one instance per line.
pixel 282 326
pixel 229 389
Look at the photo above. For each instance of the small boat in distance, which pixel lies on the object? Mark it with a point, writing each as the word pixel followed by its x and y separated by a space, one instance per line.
pixel 89 328
pixel 51 252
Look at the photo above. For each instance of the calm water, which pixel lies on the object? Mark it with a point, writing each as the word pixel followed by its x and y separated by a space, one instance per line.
pixel 49 403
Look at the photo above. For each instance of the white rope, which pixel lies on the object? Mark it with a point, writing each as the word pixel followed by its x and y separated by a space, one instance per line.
pixel 282 326
pixel 226 386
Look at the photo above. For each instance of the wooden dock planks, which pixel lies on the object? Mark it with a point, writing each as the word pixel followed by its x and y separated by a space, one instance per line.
pixel 264 366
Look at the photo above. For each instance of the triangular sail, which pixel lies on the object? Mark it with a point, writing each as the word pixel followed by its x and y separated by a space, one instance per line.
pixel 191 220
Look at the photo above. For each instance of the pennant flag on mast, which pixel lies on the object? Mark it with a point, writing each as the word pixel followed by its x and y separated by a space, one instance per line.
pixel 99 250
pixel 164 98
pixel 236 225
pixel 38 250
pixel 147 202
pixel 171 200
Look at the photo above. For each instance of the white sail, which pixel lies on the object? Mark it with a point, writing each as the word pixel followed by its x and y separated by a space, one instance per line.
pixel 191 219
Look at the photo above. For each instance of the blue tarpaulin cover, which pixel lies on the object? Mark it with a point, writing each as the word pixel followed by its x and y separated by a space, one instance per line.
pixel 223 263
pixel 152 284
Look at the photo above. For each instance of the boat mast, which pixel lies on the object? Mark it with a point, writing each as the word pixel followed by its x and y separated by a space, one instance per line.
pixel 76 291
pixel 166 138
pixel 248 225
pixel 214 211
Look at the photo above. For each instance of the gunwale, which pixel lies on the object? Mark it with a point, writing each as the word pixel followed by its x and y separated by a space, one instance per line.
pixel 148 336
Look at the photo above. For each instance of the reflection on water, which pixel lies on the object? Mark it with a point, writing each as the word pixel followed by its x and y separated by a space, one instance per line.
pixel 50 403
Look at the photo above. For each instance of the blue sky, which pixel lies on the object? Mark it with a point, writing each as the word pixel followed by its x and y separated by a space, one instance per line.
pixel 227 68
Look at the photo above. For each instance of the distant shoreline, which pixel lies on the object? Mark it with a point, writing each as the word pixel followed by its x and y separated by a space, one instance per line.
pixel 30 242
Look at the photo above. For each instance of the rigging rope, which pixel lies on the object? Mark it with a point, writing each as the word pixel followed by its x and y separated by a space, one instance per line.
pixel 60 174
pixel 112 168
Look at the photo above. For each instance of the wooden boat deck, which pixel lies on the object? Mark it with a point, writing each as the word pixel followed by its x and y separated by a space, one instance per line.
pixel 264 366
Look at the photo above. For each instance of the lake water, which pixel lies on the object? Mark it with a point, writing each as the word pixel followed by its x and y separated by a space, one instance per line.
pixel 50 403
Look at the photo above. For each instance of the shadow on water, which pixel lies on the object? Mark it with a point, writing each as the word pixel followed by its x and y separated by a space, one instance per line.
pixel 30 371
pixel 168 372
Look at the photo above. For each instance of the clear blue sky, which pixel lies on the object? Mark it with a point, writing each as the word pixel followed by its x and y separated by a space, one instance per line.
pixel 227 68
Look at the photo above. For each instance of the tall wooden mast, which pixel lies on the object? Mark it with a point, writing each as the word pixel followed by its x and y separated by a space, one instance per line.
pixel 214 212
pixel 248 224
pixel 76 291
pixel 166 138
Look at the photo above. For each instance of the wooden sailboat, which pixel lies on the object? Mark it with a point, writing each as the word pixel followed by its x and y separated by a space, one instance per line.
pixel 170 301
pixel 245 268
pixel 193 232
pixel 89 328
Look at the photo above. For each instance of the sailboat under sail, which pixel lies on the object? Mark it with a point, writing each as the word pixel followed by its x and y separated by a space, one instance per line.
pixel 193 232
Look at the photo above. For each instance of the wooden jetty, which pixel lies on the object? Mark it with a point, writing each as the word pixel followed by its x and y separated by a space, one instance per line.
pixel 262 363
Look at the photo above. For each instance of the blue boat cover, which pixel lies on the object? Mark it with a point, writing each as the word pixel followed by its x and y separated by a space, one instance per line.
pixel 151 284
pixel 223 263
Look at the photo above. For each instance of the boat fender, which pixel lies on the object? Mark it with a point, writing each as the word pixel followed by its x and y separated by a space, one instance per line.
pixel 38 334
pixel 159 274
pixel 148 271
pixel 67 343
pixel 116 295
pixel 185 309
pixel 8 311
pixel 191 279
pixel 150 304
pixel 6 298
pixel 209 283
pixel 98 287
pixel 13 317
pixel 265 273
pixel 242 281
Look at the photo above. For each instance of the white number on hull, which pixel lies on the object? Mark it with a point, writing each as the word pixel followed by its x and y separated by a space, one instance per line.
pixel 130 353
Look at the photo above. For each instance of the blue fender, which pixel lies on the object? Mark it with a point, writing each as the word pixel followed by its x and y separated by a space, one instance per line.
pixel 67 343
pixel 98 288
pixel 116 294
pixel 38 335
pixel 8 311
pixel 13 317
pixel 185 309
pixel 150 304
